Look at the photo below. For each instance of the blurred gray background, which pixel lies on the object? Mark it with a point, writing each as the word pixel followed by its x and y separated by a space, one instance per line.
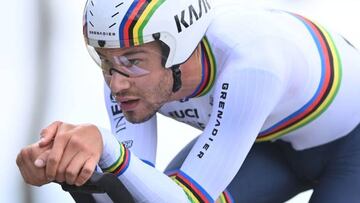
pixel 46 75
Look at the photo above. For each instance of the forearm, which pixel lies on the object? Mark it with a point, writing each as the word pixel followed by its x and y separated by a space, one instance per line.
pixel 144 182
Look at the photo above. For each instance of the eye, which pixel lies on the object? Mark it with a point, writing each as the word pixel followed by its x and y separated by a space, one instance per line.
pixel 126 61
pixel 133 62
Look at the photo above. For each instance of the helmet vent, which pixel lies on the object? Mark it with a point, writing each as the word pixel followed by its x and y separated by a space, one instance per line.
pixel 119 4
pixel 112 25
pixel 91 13
pixel 115 14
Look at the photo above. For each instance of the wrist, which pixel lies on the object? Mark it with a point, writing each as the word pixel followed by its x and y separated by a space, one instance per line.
pixel 111 149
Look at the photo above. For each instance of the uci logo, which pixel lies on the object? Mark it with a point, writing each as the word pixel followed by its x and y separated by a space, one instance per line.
pixel 191 13
pixel 190 113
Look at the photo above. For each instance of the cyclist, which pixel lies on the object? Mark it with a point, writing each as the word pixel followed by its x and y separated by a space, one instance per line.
pixel 276 95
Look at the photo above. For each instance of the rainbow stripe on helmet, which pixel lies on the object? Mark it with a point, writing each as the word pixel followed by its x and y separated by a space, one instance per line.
pixel 136 18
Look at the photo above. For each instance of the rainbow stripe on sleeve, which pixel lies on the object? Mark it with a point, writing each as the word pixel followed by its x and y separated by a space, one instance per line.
pixel 133 24
pixel 121 164
pixel 208 70
pixel 328 87
pixel 225 197
pixel 194 191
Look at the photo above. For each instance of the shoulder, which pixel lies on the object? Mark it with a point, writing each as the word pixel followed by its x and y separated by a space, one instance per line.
pixel 257 39
pixel 233 25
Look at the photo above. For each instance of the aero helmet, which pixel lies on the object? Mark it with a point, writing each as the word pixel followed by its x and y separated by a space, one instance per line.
pixel 179 24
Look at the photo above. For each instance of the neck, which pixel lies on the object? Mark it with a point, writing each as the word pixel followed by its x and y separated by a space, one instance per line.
pixel 191 73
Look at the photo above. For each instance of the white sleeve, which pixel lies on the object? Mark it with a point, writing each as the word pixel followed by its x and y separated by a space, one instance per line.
pixel 141 139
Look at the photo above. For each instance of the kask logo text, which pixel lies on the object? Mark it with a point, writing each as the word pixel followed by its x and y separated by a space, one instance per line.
pixel 187 16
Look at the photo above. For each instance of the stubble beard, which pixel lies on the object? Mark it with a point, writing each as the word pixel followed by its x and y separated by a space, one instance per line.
pixel 161 94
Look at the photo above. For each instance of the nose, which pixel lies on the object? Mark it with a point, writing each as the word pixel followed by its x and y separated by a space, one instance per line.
pixel 119 83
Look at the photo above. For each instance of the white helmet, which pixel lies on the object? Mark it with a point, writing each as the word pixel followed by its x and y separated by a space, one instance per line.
pixel 179 24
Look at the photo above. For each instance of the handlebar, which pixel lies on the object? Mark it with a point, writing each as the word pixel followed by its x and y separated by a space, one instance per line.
pixel 100 183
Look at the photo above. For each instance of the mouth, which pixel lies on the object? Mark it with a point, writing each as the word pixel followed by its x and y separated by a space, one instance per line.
pixel 129 104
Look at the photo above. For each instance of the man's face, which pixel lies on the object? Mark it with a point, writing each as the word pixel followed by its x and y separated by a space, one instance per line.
pixel 139 96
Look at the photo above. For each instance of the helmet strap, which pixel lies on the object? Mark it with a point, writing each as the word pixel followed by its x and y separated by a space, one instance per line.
pixel 176 72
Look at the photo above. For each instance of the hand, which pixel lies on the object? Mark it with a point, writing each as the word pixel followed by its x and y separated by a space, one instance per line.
pixel 75 152
pixel 27 165
pixel 31 159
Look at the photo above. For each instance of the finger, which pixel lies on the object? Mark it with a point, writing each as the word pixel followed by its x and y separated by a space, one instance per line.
pixel 41 160
pixel 24 156
pixel 37 175
pixel 47 134
pixel 73 170
pixel 26 176
pixel 29 172
pixel 86 172
pixel 21 165
pixel 19 160
pixel 55 155
pixel 67 157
